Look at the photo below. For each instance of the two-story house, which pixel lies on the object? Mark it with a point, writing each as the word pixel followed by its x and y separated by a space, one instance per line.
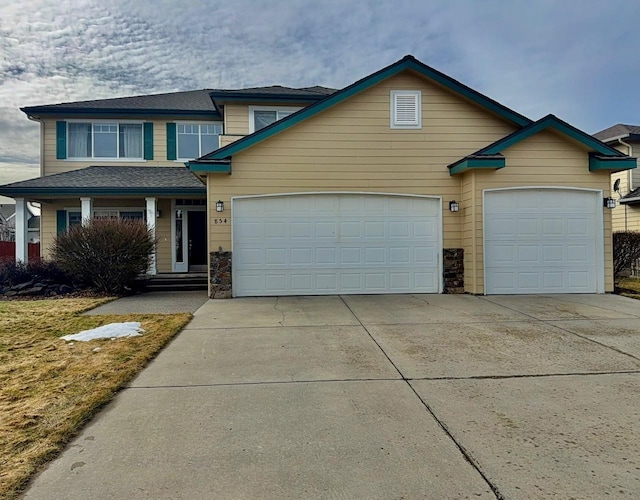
pixel 406 181
pixel 625 138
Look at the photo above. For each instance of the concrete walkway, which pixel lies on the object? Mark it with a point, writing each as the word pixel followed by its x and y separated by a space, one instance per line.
pixel 154 303
pixel 403 396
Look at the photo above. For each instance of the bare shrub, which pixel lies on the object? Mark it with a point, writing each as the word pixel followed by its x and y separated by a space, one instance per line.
pixel 106 255
pixel 626 251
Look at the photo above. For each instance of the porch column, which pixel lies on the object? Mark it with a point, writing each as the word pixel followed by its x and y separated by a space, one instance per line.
pixel 152 206
pixel 22 231
pixel 87 210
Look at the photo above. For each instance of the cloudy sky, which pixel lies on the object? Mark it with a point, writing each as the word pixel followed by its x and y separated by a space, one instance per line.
pixel 577 59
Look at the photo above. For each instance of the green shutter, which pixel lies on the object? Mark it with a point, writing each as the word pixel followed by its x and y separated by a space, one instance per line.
pixel 61 140
pixel 61 221
pixel 172 153
pixel 148 141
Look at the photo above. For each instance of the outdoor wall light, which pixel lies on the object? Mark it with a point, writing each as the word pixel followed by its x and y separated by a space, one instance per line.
pixel 220 206
pixel 610 203
pixel 158 213
pixel 454 206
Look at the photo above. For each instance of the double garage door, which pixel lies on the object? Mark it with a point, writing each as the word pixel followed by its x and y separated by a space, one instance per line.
pixel 345 243
pixel 543 241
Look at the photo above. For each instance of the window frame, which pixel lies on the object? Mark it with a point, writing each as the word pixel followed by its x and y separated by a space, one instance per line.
pixel 288 109
pixel 199 123
pixel 78 210
pixel 417 94
pixel 105 158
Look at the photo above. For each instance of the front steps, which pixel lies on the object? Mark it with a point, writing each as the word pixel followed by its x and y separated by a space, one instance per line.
pixel 176 282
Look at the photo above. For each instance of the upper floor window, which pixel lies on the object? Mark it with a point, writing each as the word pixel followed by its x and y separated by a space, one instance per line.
pixel 261 116
pixel 197 139
pixel 406 109
pixel 105 140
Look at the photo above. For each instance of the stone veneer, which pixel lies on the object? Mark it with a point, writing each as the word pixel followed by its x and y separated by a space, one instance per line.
pixel 453 270
pixel 220 275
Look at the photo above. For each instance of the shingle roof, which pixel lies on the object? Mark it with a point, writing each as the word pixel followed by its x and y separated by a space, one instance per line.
pixel 193 100
pixel 111 180
pixel 617 131
pixel 632 198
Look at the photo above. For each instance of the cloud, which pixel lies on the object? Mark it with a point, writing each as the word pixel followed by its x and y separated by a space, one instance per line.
pixel 573 59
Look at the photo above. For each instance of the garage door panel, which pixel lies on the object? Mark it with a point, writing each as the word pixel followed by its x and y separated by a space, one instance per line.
pixel 541 241
pixel 345 243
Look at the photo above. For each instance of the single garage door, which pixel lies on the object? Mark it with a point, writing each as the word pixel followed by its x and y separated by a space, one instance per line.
pixel 314 244
pixel 542 241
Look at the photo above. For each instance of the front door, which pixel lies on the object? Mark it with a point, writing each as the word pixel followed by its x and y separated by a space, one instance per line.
pixel 197 240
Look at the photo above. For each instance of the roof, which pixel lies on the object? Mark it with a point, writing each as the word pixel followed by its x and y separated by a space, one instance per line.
pixel 604 156
pixel 188 102
pixel 618 131
pixel 98 180
pixel 406 63
pixel 7 210
pixel 631 198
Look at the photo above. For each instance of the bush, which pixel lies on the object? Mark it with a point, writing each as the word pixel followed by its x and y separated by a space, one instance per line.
pixel 13 273
pixel 626 251
pixel 106 255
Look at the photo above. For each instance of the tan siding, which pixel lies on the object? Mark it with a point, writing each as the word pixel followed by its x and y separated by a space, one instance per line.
pixel 236 119
pixel 567 165
pixel 351 147
pixel 225 140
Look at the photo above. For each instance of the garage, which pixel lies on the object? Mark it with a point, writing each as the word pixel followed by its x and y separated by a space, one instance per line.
pixel 336 243
pixel 543 240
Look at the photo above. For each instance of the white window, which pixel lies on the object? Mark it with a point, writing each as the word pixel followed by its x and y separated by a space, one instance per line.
pixel 104 140
pixel 262 116
pixel 406 109
pixel 74 217
pixel 197 139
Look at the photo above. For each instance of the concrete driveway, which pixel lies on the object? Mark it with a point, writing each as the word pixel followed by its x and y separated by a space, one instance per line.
pixel 390 397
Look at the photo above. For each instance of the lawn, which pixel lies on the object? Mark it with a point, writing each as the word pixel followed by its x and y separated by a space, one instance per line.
pixel 49 388
pixel 629 287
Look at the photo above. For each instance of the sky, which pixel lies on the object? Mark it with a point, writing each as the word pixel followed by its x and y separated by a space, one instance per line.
pixel 577 59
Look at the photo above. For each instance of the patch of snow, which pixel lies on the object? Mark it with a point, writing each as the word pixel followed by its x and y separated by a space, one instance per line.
pixel 110 331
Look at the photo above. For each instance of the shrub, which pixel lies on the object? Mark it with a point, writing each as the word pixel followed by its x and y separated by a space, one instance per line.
pixel 13 273
pixel 106 255
pixel 626 251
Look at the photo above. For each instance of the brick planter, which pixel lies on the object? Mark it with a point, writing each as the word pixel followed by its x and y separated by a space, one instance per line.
pixel 220 275
pixel 453 270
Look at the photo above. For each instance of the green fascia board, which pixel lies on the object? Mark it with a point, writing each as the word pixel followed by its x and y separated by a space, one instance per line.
pixel 115 113
pixel 550 121
pixel 209 168
pixel 66 192
pixel 611 163
pixel 406 63
pixel 469 163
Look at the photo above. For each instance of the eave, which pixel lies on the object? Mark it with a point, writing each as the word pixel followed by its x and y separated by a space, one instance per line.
pixel 474 161
pixel 210 166
pixel 612 163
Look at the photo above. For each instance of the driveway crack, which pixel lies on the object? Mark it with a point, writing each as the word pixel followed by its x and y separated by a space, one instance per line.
pixel 466 455
pixel 275 306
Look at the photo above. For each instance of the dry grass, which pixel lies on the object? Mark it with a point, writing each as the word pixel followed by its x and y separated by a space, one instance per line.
pixel 629 287
pixel 49 388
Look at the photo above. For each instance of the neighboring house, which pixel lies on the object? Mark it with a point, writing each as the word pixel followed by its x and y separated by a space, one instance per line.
pixel 625 138
pixel 7 223
pixel 406 181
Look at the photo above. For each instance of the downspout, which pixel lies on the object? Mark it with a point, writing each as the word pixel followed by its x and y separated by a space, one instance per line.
pixel 629 180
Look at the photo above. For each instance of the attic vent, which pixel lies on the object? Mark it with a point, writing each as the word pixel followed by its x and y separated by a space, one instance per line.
pixel 406 109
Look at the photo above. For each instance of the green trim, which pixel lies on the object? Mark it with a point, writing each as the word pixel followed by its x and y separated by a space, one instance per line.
pixel 172 139
pixel 611 163
pixel 550 121
pixel 469 163
pixel 406 63
pixel 211 168
pixel 61 140
pixel 148 141
pixel 61 221
pixel 56 192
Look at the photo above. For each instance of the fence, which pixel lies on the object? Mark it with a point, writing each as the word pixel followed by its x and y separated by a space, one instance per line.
pixel 8 250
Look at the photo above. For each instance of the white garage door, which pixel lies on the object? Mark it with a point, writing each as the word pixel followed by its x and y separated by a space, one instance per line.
pixel 542 241
pixel 316 244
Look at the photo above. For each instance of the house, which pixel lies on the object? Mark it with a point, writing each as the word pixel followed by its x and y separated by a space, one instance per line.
pixel 406 181
pixel 7 223
pixel 625 138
